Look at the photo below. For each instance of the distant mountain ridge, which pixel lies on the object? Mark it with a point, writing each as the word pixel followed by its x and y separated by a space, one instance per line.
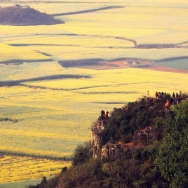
pixel 25 16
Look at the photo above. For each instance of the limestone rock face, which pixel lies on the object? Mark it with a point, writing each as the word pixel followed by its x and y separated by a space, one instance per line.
pixel 146 132
pixel 111 151
pixel 114 151
pixel 95 138
pixel 108 151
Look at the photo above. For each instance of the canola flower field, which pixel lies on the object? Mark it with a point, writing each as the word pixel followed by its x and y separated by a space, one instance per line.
pixel 49 117
pixel 15 168
pixel 61 112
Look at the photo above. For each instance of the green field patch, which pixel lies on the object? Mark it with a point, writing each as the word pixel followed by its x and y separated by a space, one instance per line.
pixel 178 63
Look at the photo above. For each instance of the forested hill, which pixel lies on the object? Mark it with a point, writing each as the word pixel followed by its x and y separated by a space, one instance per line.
pixel 143 144
pixel 25 16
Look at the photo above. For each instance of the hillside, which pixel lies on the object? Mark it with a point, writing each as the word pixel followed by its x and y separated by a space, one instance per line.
pixel 142 144
pixel 24 15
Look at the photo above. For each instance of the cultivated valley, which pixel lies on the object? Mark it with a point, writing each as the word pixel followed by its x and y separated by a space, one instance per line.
pixel 62 62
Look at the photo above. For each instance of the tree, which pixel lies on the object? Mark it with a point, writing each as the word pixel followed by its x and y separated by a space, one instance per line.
pixel 172 159
pixel 81 154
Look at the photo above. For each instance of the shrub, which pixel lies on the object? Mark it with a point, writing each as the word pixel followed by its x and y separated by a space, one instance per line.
pixel 137 153
pixel 81 154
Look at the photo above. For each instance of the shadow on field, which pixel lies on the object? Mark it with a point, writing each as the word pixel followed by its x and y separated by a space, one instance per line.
pixel 82 62
pixel 87 11
pixel 20 61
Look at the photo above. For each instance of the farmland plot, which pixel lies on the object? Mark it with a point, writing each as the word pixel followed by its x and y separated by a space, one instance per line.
pixel 48 117
pixel 15 168
pixel 49 111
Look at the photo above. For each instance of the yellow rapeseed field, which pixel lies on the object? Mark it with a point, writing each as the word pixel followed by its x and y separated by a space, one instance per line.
pixel 91 42
pixel 62 112
pixel 51 117
pixel 8 53
pixel 78 53
pixel 16 168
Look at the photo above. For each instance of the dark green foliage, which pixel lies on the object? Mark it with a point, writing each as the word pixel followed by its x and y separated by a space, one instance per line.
pixel 172 159
pixel 137 153
pixel 142 119
pixel 81 154
pixel 135 116
pixel 88 174
pixel 158 123
pixel 46 184
pixel 52 182
pixel 64 169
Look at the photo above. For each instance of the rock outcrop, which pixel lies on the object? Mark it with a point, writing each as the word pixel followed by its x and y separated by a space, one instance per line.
pixel 114 151
pixel 146 133
pixel 108 151
pixel 96 138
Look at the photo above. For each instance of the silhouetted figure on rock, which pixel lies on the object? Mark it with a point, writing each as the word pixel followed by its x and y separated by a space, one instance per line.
pixel 106 115
pixel 102 114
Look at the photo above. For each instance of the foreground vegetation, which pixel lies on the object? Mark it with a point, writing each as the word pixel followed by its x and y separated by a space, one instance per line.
pixel 160 162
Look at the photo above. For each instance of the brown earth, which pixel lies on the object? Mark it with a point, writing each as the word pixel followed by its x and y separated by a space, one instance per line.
pixel 24 15
pixel 132 64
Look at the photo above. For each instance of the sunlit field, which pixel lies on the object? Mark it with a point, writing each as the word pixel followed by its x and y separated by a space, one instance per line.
pixel 7 53
pixel 110 53
pixel 61 112
pixel 46 117
pixel 14 168
pixel 105 33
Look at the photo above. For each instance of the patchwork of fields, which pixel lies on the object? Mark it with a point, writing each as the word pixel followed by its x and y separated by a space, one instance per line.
pixel 61 112
pixel 46 109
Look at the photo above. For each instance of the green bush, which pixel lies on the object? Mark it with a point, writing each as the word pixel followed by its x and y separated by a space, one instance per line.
pixel 81 154
pixel 172 159
pixel 137 153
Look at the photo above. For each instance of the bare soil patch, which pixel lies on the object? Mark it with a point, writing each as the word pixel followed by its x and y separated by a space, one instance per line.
pixel 129 63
